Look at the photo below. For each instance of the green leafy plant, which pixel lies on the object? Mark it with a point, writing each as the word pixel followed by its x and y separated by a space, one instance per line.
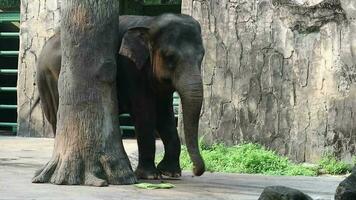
pixel 330 165
pixel 255 159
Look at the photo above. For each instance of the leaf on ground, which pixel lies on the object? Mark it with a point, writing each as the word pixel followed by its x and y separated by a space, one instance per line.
pixel 151 186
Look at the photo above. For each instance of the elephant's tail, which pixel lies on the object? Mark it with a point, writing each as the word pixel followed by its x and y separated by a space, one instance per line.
pixel 37 100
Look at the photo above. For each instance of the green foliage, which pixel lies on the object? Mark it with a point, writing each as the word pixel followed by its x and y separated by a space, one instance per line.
pixel 250 158
pixel 255 159
pixel 330 165
pixel 300 170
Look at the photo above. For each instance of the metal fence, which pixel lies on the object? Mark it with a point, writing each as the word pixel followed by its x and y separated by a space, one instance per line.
pixel 9 39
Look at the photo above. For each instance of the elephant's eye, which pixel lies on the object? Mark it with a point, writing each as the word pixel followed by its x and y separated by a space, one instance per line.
pixel 170 59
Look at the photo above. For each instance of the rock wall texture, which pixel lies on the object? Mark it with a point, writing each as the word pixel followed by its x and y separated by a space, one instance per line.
pixel 281 73
pixel 38 21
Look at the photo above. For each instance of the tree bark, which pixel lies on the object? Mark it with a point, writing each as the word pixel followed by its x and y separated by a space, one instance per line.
pixel 88 147
pixel 279 73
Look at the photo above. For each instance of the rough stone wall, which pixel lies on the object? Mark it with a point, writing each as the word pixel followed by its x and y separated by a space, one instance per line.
pixel 38 21
pixel 280 73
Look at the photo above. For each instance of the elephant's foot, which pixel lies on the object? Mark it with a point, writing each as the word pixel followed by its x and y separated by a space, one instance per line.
pixel 147 173
pixel 170 168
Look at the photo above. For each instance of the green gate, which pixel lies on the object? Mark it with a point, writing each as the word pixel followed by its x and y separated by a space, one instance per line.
pixel 9 45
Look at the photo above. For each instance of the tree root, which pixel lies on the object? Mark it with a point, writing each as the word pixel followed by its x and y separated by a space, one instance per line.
pixel 73 170
pixel 44 174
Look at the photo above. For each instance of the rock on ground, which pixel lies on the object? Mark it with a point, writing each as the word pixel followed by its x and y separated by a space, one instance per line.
pixel 282 193
pixel 347 188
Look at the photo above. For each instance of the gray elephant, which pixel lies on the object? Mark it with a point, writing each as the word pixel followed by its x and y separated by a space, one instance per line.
pixel 157 56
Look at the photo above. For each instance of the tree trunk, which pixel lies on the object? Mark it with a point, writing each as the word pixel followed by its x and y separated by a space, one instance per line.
pixel 279 73
pixel 39 19
pixel 88 147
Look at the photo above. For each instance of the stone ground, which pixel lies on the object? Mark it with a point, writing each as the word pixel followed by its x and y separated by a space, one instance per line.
pixel 20 157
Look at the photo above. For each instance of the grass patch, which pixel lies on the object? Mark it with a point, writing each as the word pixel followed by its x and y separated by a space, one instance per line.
pixel 330 165
pixel 255 159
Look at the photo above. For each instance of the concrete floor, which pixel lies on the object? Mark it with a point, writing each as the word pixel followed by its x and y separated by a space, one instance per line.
pixel 20 157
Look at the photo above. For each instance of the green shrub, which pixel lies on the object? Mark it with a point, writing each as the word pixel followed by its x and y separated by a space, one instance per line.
pixel 300 170
pixel 245 158
pixel 255 159
pixel 330 165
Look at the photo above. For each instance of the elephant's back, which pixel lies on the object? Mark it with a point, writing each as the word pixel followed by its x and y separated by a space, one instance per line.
pixel 50 56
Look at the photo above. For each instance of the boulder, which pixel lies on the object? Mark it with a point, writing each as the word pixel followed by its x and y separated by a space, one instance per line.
pixel 347 188
pixel 282 193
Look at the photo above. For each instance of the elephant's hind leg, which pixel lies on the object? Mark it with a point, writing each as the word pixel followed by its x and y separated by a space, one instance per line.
pixel 48 91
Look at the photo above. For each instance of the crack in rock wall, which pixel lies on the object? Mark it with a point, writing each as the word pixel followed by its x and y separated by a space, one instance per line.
pixel 280 73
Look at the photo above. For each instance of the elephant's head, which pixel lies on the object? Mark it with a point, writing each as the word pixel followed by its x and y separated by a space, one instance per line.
pixel 174 46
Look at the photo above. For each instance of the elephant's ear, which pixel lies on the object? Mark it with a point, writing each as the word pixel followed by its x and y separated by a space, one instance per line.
pixel 135 46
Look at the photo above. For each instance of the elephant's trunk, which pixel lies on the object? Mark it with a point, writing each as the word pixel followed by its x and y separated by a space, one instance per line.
pixel 190 90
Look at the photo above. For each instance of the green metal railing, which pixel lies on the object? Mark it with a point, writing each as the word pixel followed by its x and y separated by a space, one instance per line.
pixel 8 89
pixel 9 53
pixel 8 17
pixel 8 71
pixel 11 124
pixel 125 127
pixel 8 106
pixel 9 34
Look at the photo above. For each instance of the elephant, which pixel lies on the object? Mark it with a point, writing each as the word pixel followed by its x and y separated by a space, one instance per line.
pixel 157 56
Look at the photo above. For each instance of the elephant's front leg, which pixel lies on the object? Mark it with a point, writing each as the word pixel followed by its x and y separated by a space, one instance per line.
pixel 166 126
pixel 144 120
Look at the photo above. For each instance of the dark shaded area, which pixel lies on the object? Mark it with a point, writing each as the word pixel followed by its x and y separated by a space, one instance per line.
pixel 129 7
pixel 9 5
pixel 8 80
